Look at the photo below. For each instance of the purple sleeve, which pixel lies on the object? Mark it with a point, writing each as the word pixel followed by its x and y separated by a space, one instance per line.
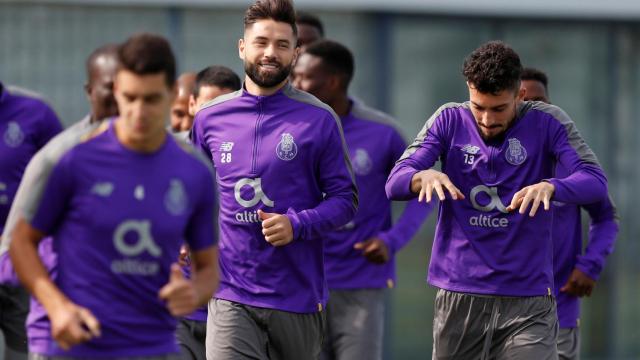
pixel 55 197
pixel 408 224
pixel 422 154
pixel 196 136
pixel 201 230
pixel 49 126
pixel 603 229
pixel 586 183
pixel 337 183
pixel 414 212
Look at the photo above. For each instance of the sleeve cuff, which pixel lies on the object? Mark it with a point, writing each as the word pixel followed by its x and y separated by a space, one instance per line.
pixel 296 225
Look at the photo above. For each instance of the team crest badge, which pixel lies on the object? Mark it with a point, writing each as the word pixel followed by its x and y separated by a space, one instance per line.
pixel 287 148
pixel 361 162
pixel 175 200
pixel 516 153
pixel 14 136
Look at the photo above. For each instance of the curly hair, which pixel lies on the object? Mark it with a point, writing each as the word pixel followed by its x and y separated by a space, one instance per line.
pixel 492 68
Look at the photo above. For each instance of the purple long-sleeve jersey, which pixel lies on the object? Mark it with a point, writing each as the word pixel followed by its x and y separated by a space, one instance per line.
pixel 284 153
pixel 374 145
pixel 567 248
pixel 479 247
pixel 117 218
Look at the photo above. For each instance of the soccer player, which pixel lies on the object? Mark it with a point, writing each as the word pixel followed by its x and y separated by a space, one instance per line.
pixel 26 125
pixel 181 119
pixel 575 272
pixel 359 257
pixel 117 291
pixel 210 83
pixel 492 254
pixel 101 66
pixel 284 179
pixel 310 29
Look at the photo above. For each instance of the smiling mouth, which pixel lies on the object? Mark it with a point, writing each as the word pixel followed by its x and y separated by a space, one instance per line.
pixel 271 66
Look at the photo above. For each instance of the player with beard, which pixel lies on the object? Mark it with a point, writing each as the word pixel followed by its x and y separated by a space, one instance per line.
pixel 118 291
pixel 101 69
pixel 575 272
pixel 492 257
pixel 284 179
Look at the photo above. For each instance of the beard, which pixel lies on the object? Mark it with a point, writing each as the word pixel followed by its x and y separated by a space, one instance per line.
pixel 267 79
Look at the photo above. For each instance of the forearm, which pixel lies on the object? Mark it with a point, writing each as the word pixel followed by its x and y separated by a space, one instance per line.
pixel 408 224
pixel 29 268
pixel 205 274
pixel 401 184
pixel 602 236
pixel 585 186
pixel 329 215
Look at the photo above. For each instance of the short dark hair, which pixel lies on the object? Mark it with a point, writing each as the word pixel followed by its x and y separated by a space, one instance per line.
pixel 530 73
pixel 220 76
pixel 277 10
pixel 145 54
pixel 492 68
pixel 311 20
pixel 335 56
pixel 107 49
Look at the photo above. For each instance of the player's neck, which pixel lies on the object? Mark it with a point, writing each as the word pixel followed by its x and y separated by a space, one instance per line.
pixel 147 145
pixel 341 106
pixel 257 90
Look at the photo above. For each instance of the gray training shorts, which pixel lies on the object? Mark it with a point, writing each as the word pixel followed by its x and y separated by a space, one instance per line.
pixel 482 327
pixel 355 325
pixel 569 343
pixel 236 331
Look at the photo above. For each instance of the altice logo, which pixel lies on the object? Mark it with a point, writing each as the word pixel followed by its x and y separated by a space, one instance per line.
pixel 258 196
pixel 494 204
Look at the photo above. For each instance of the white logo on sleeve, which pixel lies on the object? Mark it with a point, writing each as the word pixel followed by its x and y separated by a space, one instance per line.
pixel 13 136
pixel 516 153
pixel 139 241
pixel 361 162
pixel 287 148
pixel 258 196
pixel 175 200
pixel 494 203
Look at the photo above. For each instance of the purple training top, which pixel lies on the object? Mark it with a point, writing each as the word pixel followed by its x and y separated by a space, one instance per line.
pixel 285 154
pixel 479 247
pixel 374 145
pixel 114 264
pixel 26 125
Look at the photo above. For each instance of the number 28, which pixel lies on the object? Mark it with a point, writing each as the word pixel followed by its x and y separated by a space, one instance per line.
pixel 225 157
